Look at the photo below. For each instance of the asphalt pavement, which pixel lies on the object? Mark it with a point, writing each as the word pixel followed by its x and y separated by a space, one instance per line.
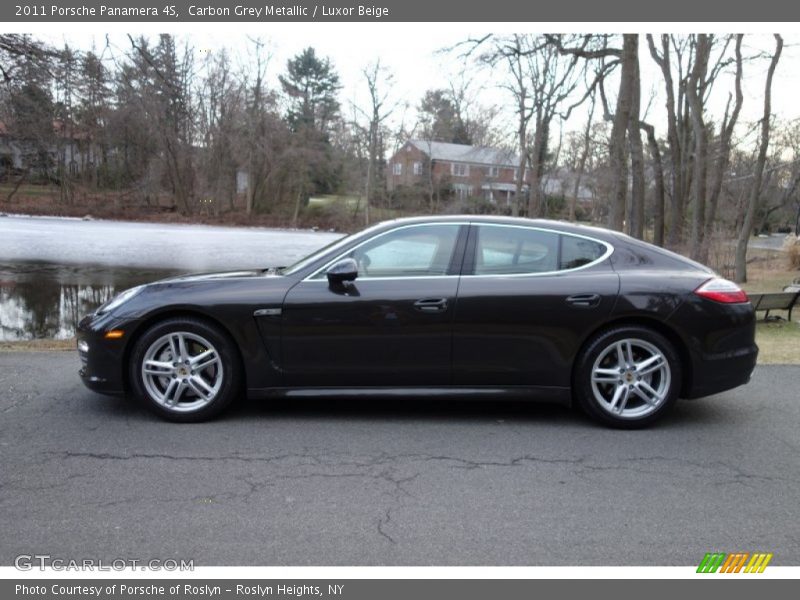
pixel 393 483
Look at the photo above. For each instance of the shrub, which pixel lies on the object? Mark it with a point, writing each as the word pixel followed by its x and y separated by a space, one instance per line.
pixel 792 245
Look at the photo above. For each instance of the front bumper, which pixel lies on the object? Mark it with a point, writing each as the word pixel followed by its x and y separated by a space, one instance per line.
pixel 102 360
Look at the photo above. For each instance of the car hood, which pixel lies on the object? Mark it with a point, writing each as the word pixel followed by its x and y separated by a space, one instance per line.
pixel 214 276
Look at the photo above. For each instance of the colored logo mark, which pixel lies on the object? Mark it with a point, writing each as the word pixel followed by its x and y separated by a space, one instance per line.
pixel 738 562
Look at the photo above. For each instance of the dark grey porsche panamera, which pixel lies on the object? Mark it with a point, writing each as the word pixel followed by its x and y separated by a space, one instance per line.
pixel 488 306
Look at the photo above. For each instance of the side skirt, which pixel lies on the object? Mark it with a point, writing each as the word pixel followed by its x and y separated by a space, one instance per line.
pixel 558 395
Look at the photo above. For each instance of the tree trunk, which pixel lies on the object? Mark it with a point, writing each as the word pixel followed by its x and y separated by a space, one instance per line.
pixel 18 184
pixel 660 193
pixel 695 90
pixel 522 137
pixel 740 265
pixel 367 186
pixel 636 219
pixel 587 140
pixel 618 154
pixel 723 155
pixel 297 203
pixel 535 190
pixel 673 139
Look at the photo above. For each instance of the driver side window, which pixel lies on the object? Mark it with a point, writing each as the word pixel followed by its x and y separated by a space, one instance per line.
pixel 418 251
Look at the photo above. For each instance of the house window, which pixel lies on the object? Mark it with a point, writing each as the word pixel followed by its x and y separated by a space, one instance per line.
pixel 493 172
pixel 459 170
pixel 397 168
pixel 417 168
pixel 462 190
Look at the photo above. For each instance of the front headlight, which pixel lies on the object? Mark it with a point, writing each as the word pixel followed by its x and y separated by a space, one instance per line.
pixel 119 299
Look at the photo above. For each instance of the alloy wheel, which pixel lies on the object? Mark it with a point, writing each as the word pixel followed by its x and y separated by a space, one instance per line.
pixel 182 371
pixel 631 378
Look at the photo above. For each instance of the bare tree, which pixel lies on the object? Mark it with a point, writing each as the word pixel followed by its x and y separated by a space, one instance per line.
pixel 630 71
pixel 598 48
pixel 660 188
pixel 20 52
pixel 695 92
pixel 379 82
pixel 580 167
pixel 167 75
pixel 219 101
pixel 755 190
pixel 541 79
pixel 676 131
pixel 723 151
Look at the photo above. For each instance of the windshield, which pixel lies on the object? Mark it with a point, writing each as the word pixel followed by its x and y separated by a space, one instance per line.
pixel 311 258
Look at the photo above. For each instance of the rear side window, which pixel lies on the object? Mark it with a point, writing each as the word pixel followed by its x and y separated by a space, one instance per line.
pixel 501 250
pixel 512 250
pixel 576 252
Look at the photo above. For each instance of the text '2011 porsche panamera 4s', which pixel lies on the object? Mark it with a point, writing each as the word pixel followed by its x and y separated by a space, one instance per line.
pixel 479 306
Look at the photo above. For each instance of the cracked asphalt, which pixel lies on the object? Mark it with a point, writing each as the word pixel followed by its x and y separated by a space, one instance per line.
pixel 393 483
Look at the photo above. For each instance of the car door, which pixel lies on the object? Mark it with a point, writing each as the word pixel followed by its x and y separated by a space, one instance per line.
pixel 392 326
pixel 527 298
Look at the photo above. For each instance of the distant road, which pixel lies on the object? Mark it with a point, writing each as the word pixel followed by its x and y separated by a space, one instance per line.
pixel 393 483
pixel 773 242
pixel 156 245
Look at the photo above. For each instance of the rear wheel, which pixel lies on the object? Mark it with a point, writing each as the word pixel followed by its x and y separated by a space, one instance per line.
pixel 185 369
pixel 627 377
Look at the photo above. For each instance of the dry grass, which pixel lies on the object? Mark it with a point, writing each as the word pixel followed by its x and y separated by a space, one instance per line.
pixel 768 271
pixel 778 342
pixel 38 345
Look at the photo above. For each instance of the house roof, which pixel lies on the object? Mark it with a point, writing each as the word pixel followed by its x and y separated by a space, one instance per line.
pixel 60 129
pixel 481 155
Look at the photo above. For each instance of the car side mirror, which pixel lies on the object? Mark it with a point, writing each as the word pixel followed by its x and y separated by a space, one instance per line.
pixel 343 270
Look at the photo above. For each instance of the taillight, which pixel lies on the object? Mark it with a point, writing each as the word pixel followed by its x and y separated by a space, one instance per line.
pixel 722 290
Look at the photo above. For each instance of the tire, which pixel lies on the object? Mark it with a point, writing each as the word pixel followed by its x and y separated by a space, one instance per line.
pixel 200 384
pixel 620 392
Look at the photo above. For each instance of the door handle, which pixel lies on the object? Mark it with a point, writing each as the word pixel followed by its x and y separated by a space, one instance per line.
pixel 584 300
pixel 431 305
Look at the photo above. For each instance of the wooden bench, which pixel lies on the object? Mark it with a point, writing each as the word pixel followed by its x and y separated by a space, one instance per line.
pixel 776 301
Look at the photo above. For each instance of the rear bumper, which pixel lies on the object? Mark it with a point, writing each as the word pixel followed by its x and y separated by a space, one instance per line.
pixel 715 374
pixel 720 339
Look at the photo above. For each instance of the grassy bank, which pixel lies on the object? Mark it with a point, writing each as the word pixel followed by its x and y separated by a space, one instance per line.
pixel 40 345
pixel 779 342
pixel 340 213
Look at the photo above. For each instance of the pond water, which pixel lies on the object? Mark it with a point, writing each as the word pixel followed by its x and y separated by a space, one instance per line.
pixel 53 271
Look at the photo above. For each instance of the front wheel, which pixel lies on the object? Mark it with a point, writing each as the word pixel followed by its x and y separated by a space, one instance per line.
pixel 185 369
pixel 627 377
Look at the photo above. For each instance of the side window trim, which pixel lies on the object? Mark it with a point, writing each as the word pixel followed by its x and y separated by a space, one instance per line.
pixel 457 247
pixel 468 269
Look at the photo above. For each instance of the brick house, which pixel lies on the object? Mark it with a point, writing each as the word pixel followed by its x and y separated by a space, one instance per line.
pixel 67 146
pixel 466 171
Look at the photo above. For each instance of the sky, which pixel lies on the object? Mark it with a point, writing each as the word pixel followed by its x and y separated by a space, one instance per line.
pixel 412 52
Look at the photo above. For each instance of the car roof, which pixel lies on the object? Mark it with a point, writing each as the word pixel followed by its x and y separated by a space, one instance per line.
pixel 564 226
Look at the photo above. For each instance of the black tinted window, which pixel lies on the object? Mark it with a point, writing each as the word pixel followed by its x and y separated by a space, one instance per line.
pixel 576 252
